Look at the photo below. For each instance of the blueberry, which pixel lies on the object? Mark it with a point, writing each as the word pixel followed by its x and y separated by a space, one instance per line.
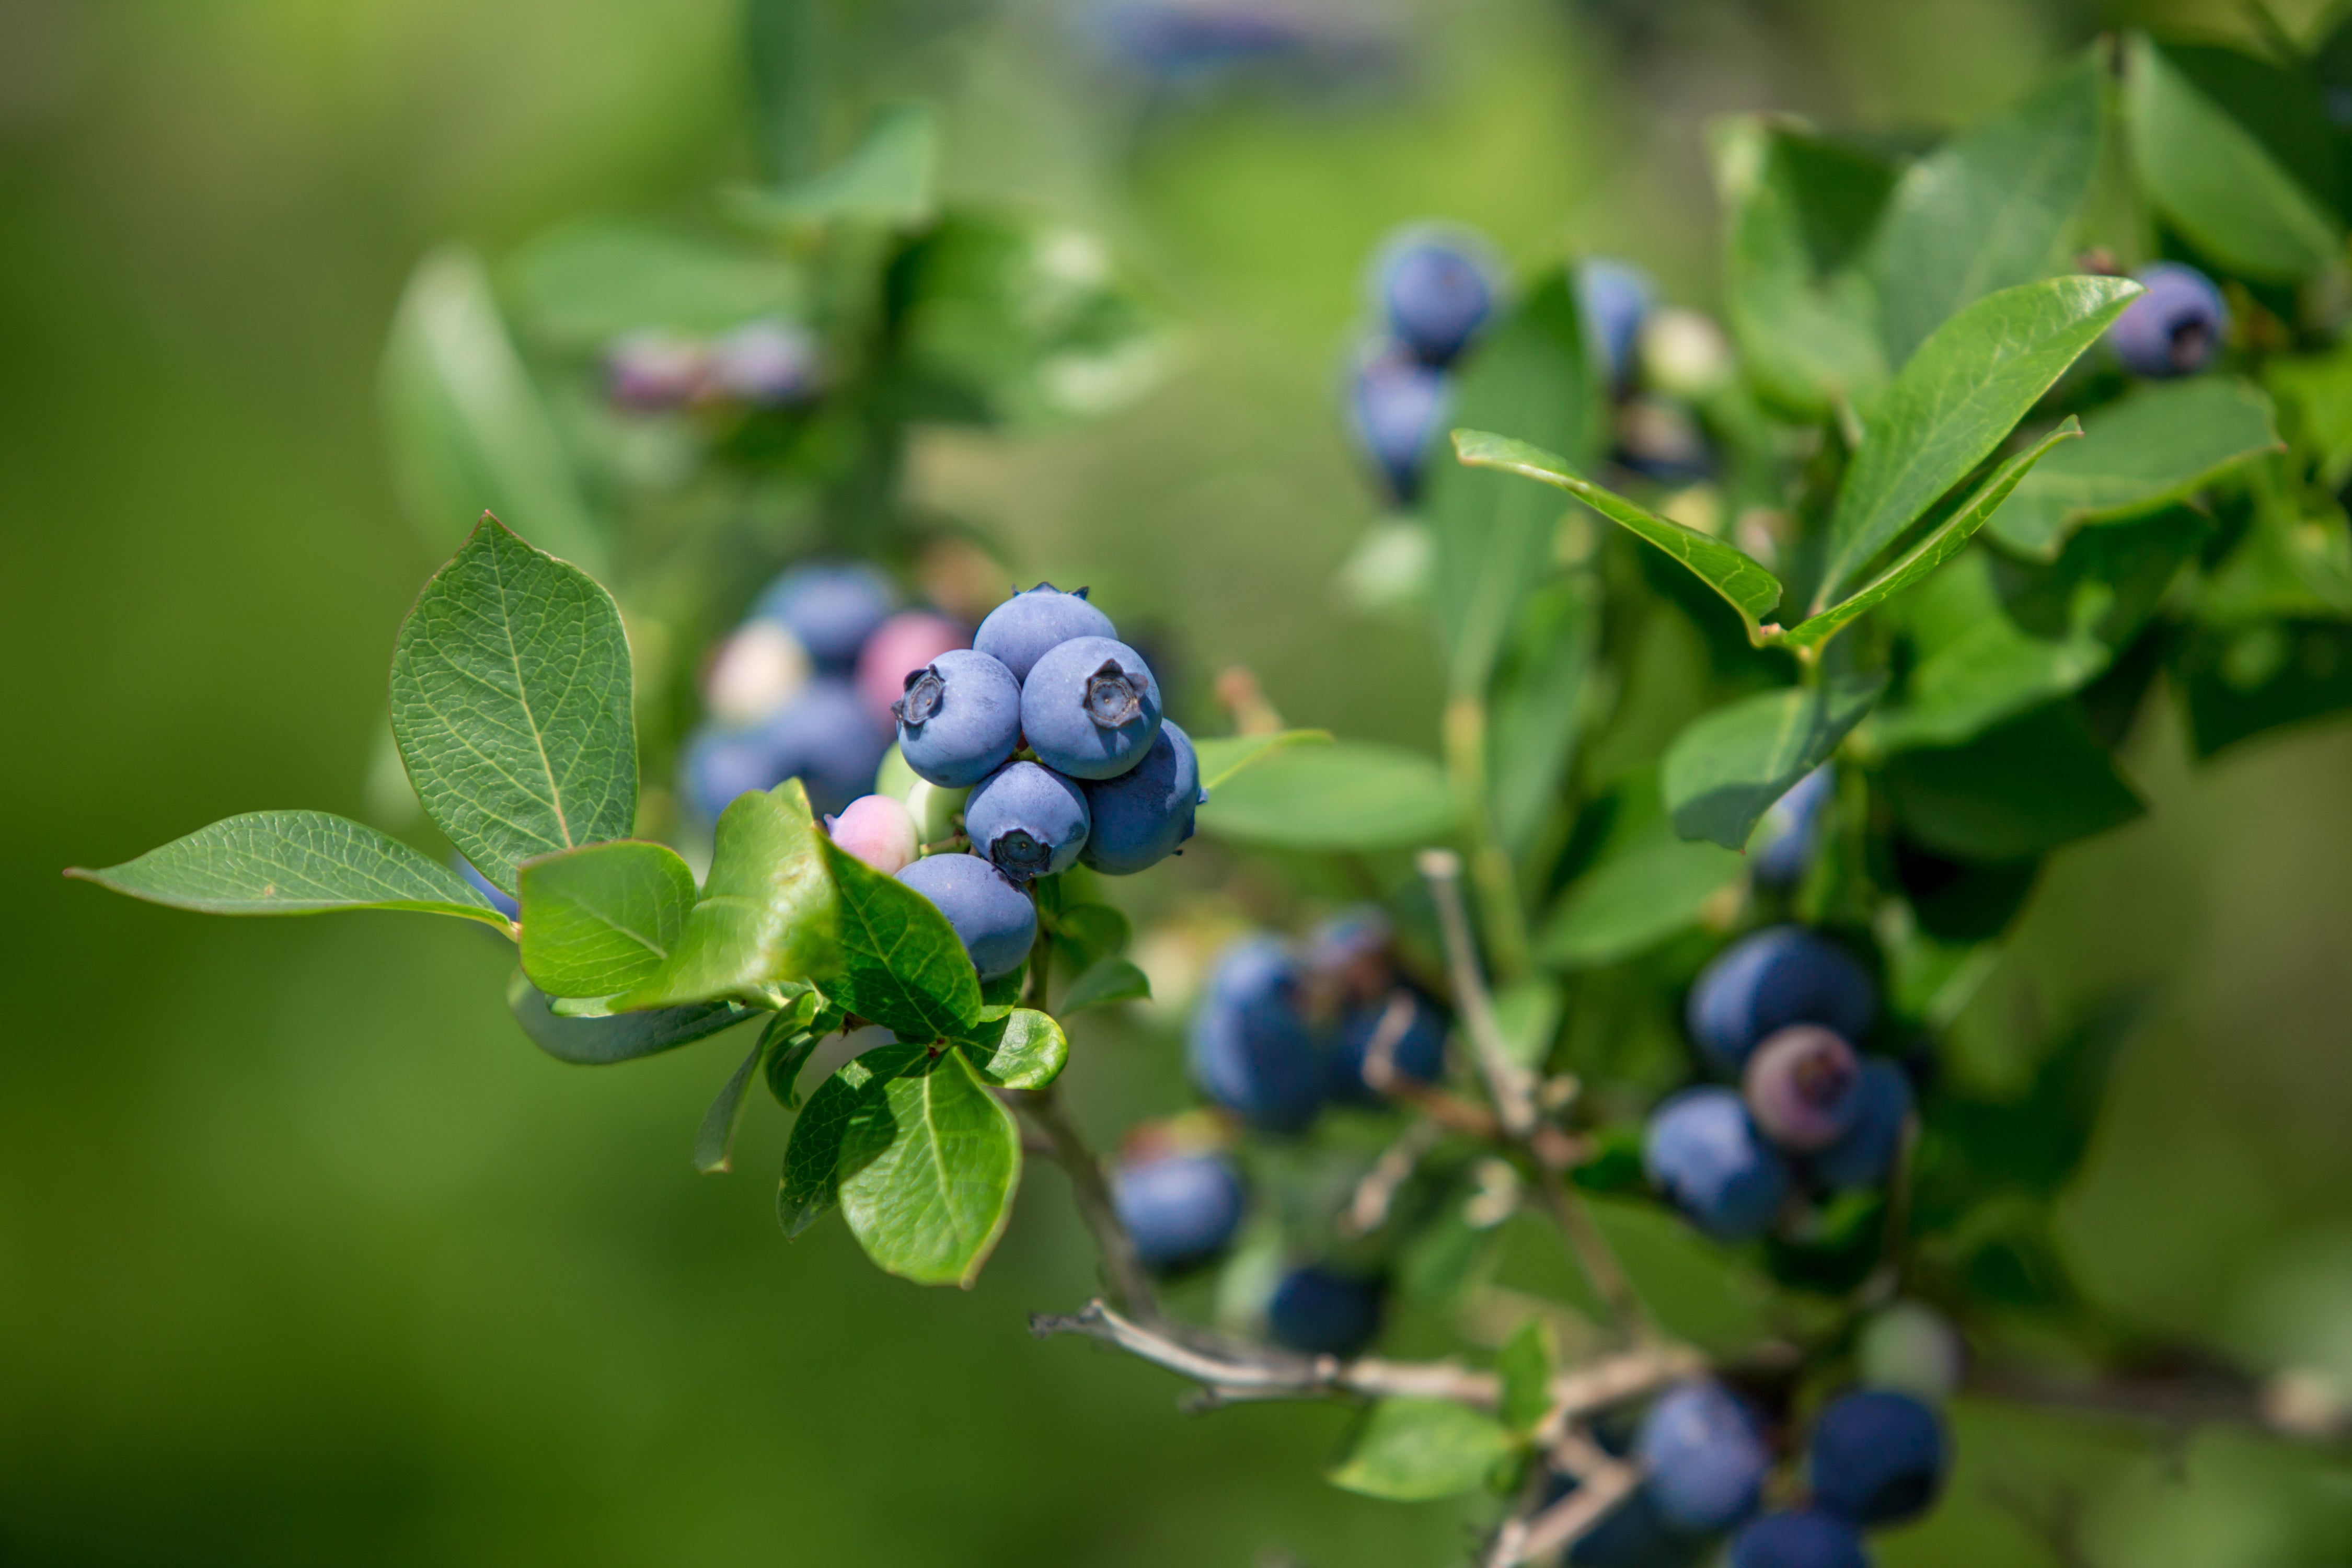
pixel 1706 1457
pixel 1140 817
pixel 1029 821
pixel 1396 406
pixel 1252 1051
pixel 832 606
pixel 1323 1312
pixel 1806 1538
pixel 1803 1087
pixel 757 670
pixel 1769 980
pixel 655 369
pixel 1866 1153
pixel 1419 1053
pixel 500 897
pixel 1018 632
pixel 1790 835
pixel 958 718
pixel 2174 329
pixel 899 646
pixel 1350 953
pixel 878 830
pixel 1182 42
pixel 823 737
pixel 1878 1457
pixel 1180 1210
pixel 1436 291
pixel 1089 707
pixel 1703 1150
pixel 765 365
pixel 993 917
pixel 1615 298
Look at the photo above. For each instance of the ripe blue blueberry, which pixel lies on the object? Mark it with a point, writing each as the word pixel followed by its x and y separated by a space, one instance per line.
pixel 825 737
pixel 1187 42
pixel 1017 633
pixel 1803 1087
pixel 1436 291
pixel 1771 979
pixel 1180 1210
pixel 1395 405
pixel 1878 1457
pixel 959 719
pixel 1615 297
pixel 1252 1051
pixel 1350 953
pixel 1705 1457
pixel 504 901
pixel 1089 707
pixel 1790 835
pixel 1029 821
pixel 1863 1156
pixel 2174 329
pixel 992 918
pixel 1142 816
pixel 832 606
pixel 1418 1051
pixel 1805 1538
pixel 1323 1312
pixel 1703 1150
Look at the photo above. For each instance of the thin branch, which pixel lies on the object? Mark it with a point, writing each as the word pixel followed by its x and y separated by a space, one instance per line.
pixel 1506 1080
pixel 1123 1270
pixel 1368 1209
pixel 1594 1255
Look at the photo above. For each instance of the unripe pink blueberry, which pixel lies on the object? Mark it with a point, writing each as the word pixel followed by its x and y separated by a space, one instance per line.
pixel 878 830
pixel 1803 1087
pixel 905 643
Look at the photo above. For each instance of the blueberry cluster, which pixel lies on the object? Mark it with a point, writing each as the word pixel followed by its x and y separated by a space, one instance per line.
pixel 1878 1457
pixel 2176 328
pixel 1284 1030
pixel 1044 740
pixel 761 365
pixel 1777 1011
pixel 802 689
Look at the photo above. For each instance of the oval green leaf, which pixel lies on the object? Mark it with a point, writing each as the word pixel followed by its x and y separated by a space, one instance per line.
pixel 1725 769
pixel 768 915
pixel 1350 794
pixel 601 919
pixel 1415 1450
pixel 901 964
pixel 617 1036
pixel 928 1170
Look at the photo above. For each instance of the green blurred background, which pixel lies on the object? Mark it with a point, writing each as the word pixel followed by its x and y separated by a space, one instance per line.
pixel 305 1255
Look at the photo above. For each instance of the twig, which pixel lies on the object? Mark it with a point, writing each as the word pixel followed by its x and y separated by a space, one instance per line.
pixel 1231 1372
pixel 1368 1209
pixel 1123 1272
pixel 1506 1080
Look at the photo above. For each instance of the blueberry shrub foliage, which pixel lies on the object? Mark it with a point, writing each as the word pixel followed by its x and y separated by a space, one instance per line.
pixel 1780 655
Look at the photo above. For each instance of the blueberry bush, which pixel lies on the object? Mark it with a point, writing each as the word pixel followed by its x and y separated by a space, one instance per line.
pixel 1781 652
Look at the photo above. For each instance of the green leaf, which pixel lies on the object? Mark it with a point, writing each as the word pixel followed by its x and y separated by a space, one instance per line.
pixel 888 179
pixel 1541 701
pixel 1349 795
pixel 1415 1450
pixel 2243 682
pixel 1804 318
pixel 901 964
pixel 768 914
pixel 1955 402
pixel 1744 585
pixel 1939 544
pixel 601 919
pixel 856 1092
pixel 2314 400
pixel 1644 885
pixel 293 863
pixel 1022 1049
pixel 928 1172
pixel 1528 1011
pixel 1222 756
pixel 510 693
pixel 1104 982
pixel 2215 182
pixel 619 1037
pixel 791 1037
pixel 468 430
pixel 1725 769
pixel 1088 932
pixel 1527 1363
pixel 583 283
pixel 2019 790
pixel 2143 452
pixel 1989 209
pixel 1005 320
pixel 714 1141
pixel 1531 374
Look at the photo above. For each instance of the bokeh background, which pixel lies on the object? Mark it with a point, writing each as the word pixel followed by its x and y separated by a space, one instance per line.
pixel 305 1255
